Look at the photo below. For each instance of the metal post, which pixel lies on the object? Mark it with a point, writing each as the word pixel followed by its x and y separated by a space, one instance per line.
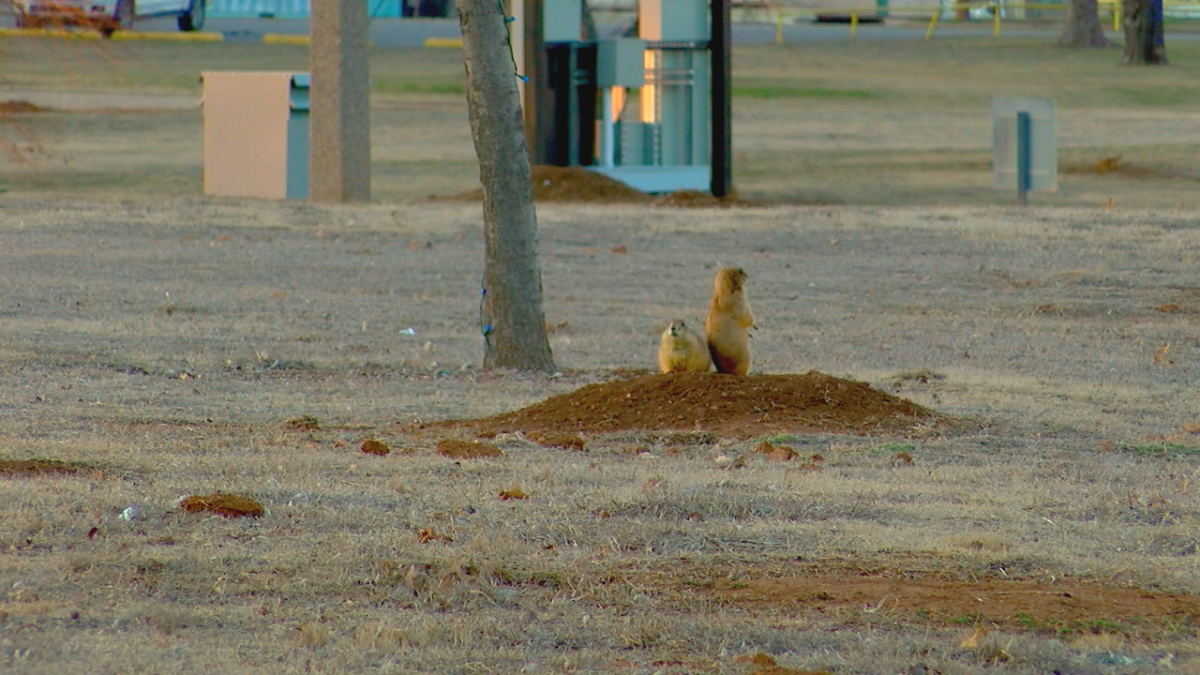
pixel 572 112
pixel 722 100
pixel 1024 156
pixel 608 143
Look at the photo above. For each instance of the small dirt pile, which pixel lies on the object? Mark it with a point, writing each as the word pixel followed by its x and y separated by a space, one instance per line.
pixel 41 467
pixel 572 184
pixel 20 107
pixel 737 407
pixel 578 184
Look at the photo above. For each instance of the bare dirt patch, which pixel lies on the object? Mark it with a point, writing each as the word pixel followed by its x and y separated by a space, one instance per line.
pixel 1068 604
pixel 40 467
pixel 737 407
pixel 20 107
pixel 230 506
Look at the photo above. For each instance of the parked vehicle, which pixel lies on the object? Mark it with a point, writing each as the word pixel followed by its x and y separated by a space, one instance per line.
pixel 107 16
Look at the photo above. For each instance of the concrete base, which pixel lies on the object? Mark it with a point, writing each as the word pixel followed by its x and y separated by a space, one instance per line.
pixel 660 179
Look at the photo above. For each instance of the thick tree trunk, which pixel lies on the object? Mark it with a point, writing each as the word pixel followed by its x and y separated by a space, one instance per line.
pixel 514 325
pixel 1082 25
pixel 1144 44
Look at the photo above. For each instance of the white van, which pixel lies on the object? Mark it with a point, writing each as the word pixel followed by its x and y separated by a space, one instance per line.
pixel 107 15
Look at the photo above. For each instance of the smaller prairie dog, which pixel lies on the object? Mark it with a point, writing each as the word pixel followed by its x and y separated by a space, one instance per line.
pixel 682 350
pixel 729 321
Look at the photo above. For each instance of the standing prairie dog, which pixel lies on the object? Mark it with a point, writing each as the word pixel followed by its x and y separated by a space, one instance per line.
pixel 729 321
pixel 682 350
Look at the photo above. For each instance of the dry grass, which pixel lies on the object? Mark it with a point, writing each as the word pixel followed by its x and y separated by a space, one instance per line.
pixel 164 340
pixel 168 353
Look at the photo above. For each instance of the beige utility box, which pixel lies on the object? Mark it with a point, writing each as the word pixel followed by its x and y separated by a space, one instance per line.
pixel 256 134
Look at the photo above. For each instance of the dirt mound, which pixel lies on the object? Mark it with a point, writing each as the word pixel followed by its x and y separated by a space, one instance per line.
pixel 738 407
pixel 695 199
pixel 578 184
pixel 1011 604
pixel 572 184
pixel 857 591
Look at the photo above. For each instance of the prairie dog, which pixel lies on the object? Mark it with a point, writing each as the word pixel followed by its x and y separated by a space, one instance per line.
pixel 728 324
pixel 681 350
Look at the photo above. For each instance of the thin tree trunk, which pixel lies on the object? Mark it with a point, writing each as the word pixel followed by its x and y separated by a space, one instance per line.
pixel 1081 28
pixel 514 325
pixel 1144 44
pixel 589 23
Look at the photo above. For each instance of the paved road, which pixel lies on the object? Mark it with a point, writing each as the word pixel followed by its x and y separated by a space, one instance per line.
pixel 399 33
pixel 413 32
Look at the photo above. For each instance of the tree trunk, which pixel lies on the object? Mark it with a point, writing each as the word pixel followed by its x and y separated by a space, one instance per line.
pixel 1082 25
pixel 1144 44
pixel 513 324
pixel 340 119
pixel 588 28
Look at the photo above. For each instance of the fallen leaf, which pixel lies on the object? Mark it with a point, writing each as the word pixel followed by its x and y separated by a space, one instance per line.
pixel 564 441
pixel 782 454
pixel 305 423
pixel 92 532
pixel 1163 356
pixel 427 534
pixel 972 640
pixel 230 506
pixel 467 449
pixel 374 447
pixel 758 659
pixel 513 493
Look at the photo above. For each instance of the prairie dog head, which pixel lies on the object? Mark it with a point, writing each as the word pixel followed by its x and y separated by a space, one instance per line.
pixel 678 327
pixel 729 280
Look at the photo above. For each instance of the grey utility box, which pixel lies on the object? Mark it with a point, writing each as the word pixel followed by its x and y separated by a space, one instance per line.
pixel 621 63
pixel 256 134
pixel 1025 146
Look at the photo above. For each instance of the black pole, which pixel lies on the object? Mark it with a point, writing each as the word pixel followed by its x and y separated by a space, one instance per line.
pixel 722 102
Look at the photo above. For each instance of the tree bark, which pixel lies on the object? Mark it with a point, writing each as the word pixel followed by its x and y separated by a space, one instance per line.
pixel 514 326
pixel 1144 43
pixel 1081 28
pixel 589 30
pixel 340 120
